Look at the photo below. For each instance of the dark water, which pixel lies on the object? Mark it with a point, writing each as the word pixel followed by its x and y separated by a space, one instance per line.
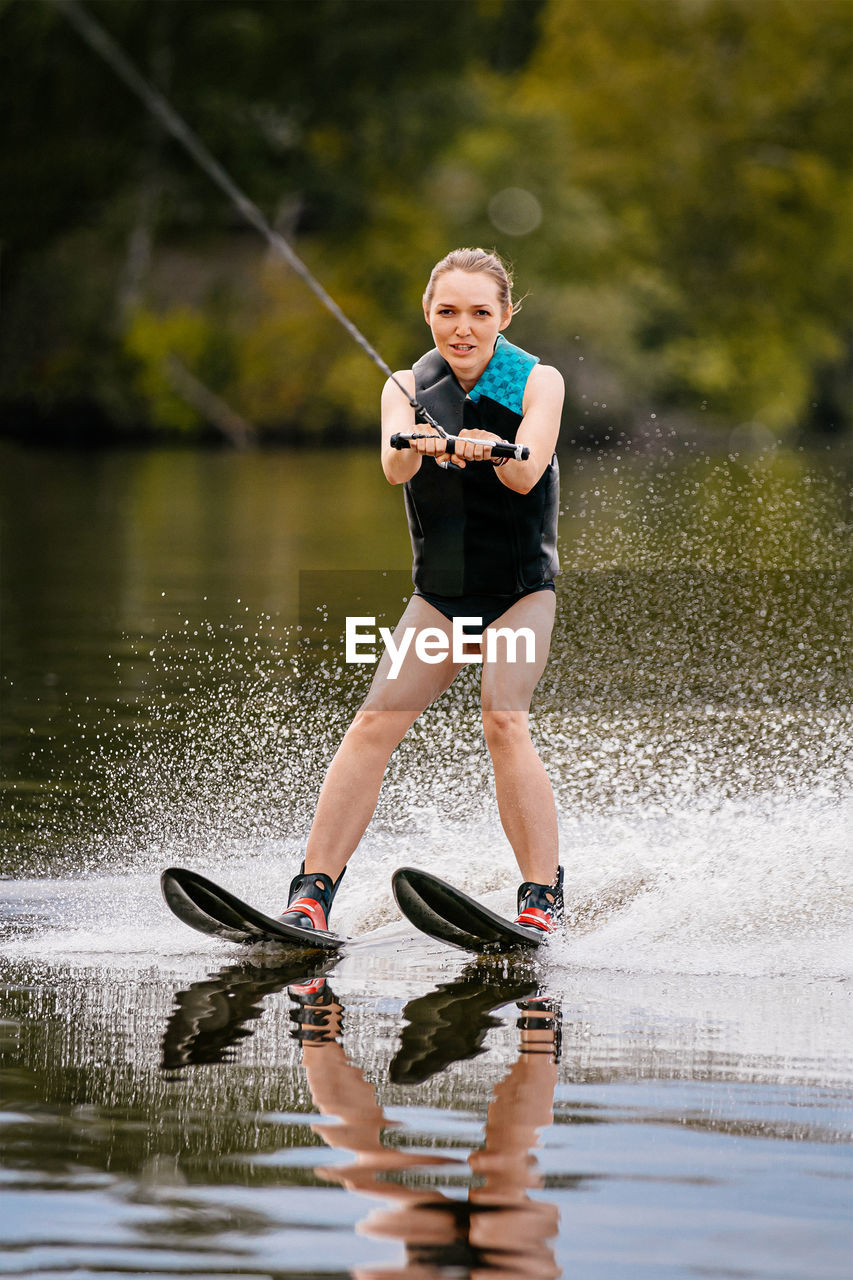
pixel 677 1104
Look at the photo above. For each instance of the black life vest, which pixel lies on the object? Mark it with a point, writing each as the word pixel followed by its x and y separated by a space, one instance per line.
pixel 471 535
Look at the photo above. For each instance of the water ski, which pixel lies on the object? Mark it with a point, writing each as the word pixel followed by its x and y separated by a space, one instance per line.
pixel 208 908
pixel 445 913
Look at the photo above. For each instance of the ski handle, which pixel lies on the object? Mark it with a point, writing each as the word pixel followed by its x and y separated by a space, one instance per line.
pixel 500 449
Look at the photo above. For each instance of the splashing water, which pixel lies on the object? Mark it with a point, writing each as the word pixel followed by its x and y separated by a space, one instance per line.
pixel 694 721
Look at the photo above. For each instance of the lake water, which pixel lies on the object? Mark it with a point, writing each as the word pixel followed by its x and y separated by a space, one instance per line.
pixel 675 1101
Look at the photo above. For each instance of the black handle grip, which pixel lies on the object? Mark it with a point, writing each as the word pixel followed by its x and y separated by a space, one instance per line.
pixel 502 449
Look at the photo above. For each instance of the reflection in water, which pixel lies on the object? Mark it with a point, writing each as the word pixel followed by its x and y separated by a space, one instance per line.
pixel 704 1121
pixel 210 1017
pixel 450 1023
pixel 498 1228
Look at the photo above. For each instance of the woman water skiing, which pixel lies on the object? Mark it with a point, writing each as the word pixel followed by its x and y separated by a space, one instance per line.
pixel 484 542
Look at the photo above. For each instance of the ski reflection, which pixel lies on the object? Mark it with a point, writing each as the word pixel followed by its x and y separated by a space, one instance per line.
pixel 212 1016
pixel 498 1228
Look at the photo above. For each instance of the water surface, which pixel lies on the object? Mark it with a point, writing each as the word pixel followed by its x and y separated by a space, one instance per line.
pixel 678 1106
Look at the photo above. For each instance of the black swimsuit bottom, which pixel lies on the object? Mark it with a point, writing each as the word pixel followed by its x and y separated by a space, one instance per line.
pixel 487 608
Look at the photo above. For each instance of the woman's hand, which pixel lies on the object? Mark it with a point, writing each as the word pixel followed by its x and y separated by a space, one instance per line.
pixel 471 446
pixel 431 444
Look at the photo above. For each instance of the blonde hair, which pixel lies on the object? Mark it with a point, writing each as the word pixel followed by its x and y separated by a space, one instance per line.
pixel 473 260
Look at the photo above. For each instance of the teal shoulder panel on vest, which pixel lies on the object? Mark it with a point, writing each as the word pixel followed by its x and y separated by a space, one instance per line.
pixel 505 376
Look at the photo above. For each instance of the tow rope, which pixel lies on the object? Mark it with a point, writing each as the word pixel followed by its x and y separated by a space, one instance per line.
pixel 102 42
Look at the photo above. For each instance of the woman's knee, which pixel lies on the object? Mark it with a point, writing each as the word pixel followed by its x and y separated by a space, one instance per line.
pixel 375 727
pixel 504 728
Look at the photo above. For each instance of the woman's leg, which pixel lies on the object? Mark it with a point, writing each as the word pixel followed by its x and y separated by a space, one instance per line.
pixel 351 787
pixel 525 799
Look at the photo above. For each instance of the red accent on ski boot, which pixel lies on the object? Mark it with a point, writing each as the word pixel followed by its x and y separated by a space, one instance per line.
pixel 540 906
pixel 310 900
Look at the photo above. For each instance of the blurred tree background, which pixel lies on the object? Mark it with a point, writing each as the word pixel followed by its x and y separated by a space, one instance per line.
pixel 670 178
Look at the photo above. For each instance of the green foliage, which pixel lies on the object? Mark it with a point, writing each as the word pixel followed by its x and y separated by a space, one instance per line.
pixel 690 160
pixel 152 340
pixel 706 146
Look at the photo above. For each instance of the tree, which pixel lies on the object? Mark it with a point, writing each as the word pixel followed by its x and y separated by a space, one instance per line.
pixel 699 178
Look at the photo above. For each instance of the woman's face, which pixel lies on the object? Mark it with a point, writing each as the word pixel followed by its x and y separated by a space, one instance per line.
pixel 465 317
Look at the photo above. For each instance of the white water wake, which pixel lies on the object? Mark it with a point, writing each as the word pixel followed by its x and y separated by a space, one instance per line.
pixel 760 887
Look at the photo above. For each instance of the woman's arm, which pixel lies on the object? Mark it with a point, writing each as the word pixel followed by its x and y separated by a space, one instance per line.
pixel 400 465
pixel 539 429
